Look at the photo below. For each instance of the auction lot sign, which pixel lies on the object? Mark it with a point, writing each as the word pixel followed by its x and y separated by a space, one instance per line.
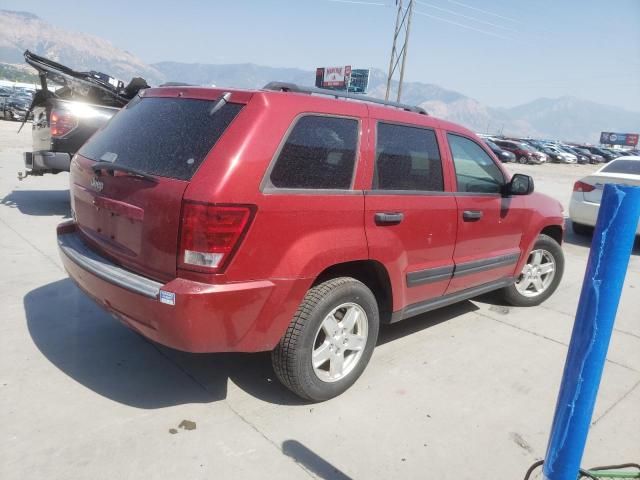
pixel 610 138
pixel 333 77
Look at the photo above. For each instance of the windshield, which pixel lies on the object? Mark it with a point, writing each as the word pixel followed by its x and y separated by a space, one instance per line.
pixel 169 137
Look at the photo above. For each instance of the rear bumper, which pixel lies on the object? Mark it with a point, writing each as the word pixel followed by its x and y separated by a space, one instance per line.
pixel 47 161
pixel 586 213
pixel 183 314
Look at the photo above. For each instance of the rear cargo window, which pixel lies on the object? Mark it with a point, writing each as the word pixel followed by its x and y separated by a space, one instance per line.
pixel 168 137
pixel 319 153
pixel 623 166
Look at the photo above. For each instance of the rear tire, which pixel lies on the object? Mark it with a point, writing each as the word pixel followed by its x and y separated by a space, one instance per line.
pixel 540 276
pixel 323 329
pixel 523 160
pixel 580 229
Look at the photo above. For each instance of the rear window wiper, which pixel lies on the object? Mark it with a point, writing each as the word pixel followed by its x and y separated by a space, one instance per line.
pixel 98 166
pixel 219 103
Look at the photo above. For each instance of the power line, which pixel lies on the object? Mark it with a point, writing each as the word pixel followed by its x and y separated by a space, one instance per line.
pixel 462 25
pixel 468 17
pixel 357 2
pixel 486 12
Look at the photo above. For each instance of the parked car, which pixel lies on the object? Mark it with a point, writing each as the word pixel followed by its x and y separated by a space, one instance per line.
pixel 4 94
pixel 592 157
pixel 587 192
pixel 65 118
pixel 608 156
pixel 550 150
pixel 524 152
pixel 16 107
pixel 615 152
pixel 214 220
pixel 581 158
pixel 505 156
pixel 557 155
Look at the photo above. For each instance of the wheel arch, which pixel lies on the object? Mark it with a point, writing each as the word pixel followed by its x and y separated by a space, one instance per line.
pixel 554 231
pixel 370 272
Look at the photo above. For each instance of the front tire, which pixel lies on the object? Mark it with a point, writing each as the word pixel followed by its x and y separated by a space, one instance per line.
pixel 329 341
pixel 523 160
pixel 540 276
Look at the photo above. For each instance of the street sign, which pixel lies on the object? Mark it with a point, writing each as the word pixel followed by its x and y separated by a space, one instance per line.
pixel 333 77
pixel 343 78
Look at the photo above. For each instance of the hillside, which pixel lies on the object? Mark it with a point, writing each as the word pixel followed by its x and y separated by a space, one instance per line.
pixel 20 31
pixel 574 118
pixel 564 118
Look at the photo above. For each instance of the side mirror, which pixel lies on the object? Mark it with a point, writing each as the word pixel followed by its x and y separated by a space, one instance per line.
pixel 520 185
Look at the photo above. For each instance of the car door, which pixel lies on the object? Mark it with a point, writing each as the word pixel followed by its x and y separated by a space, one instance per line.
pixel 490 225
pixel 410 220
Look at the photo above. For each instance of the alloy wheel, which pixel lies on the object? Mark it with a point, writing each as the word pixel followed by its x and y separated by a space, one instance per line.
pixel 537 274
pixel 339 342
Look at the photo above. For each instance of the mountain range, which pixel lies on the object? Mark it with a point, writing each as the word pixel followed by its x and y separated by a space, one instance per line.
pixel 566 118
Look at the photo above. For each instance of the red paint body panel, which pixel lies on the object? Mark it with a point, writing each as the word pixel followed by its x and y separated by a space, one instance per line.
pixel 497 233
pixel 425 239
pixel 131 220
pixel 294 235
pixel 206 318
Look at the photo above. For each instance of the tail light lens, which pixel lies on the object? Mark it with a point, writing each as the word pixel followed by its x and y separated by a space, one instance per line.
pixel 62 122
pixel 210 235
pixel 583 187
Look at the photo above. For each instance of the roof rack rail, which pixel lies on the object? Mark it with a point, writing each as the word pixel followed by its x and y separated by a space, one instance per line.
pixel 292 87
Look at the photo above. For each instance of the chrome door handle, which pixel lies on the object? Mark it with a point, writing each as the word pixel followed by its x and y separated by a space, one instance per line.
pixel 471 215
pixel 382 218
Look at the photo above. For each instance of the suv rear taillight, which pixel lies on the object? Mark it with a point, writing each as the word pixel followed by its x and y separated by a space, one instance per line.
pixel 583 187
pixel 62 122
pixel 210 234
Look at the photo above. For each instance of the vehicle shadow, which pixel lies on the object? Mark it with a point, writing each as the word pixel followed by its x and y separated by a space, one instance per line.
pixel 39 202
pixel 312 461
pixel 97 351
pixel 585 240
pixel 90 346
pixel 390 332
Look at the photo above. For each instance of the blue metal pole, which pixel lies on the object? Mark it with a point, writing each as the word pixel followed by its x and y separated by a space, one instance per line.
pixel 610 251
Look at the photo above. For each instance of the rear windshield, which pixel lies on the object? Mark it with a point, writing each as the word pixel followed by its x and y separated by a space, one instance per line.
pixel 168 137
pixel 623 166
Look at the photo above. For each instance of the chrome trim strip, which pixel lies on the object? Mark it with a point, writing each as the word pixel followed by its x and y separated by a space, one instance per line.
pixel 72 246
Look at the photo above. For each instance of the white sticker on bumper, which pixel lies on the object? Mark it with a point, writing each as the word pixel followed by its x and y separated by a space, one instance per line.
pixel 167 297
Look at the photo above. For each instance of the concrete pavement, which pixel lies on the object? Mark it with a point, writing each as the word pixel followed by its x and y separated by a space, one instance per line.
pixel 466 392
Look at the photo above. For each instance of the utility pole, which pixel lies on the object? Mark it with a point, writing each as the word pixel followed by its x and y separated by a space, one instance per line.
pixel 400 34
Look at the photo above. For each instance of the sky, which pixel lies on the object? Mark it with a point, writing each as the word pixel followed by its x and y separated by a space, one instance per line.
pixel 500 52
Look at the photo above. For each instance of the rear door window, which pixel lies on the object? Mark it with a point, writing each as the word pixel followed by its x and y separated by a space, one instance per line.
pixel 319 153
pixel 407 158
pixel 168 137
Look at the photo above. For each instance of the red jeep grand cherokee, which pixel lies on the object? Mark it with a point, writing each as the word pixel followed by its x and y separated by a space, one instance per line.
pixel 217 220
